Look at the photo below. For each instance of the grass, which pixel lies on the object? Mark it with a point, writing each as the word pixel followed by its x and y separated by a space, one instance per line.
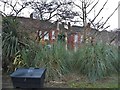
pixel 94 85
pixel 77 81
pixel 106 82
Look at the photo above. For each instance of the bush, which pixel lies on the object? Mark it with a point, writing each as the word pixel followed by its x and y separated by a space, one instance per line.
pixel 10 40
pixel 11 44
pixel 25 57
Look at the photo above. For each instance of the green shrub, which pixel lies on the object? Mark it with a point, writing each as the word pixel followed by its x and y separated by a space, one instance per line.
pixel 25 57
pixel 10 44
pixel 9 37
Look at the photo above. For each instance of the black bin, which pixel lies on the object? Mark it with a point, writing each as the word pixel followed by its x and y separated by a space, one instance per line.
pixel 28 78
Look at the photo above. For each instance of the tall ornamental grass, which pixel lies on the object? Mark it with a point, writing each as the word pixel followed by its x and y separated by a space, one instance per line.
pixel 53 60
pixel 96 61
pixel 93 61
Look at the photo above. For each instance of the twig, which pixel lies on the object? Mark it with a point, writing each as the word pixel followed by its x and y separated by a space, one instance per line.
pixel 93 7
pixel 110 15
pixel 100 11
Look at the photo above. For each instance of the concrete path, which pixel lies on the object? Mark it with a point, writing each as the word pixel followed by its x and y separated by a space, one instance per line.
pixel 6 82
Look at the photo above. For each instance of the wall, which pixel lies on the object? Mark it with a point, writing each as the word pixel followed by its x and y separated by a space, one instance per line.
pixel 119 15
pixel 0 52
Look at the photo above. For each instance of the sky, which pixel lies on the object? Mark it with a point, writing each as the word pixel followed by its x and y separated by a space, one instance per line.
pixel 109 8
pixel 112 4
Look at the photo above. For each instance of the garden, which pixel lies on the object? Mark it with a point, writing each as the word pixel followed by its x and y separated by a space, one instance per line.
pixel 91 66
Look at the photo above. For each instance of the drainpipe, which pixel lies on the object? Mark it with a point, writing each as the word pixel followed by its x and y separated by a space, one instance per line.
pixel 57 23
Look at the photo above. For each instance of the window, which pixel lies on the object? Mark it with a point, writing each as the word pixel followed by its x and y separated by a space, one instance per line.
pixel 76 38
pixel 81 40
pixel 40 34
pixel 46 37
pixel 53 34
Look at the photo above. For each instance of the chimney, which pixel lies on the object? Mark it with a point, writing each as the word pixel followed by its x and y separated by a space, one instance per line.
pixel 69 26
pixel 31 15
pixel 63 25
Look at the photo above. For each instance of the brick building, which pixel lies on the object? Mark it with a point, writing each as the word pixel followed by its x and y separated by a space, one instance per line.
pixel 45 31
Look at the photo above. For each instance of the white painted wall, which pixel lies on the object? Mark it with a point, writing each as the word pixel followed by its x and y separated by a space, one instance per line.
pixel 46 37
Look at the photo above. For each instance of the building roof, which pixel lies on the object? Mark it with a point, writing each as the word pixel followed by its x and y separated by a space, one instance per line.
pixel 35 24
pixel 32 25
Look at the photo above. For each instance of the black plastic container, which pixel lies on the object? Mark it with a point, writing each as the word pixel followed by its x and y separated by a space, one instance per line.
pixel 28 78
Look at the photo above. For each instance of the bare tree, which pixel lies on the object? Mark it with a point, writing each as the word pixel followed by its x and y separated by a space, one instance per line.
pixel 85 8
pixel 47 10
pixel 14 7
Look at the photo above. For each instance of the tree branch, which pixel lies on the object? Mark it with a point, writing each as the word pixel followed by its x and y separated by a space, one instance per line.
pixel 100 11
pixel 77 6
pixel 99 21
pixel 3 13
pixel 13 6
pixel 93 7
pixel 89 3
pixel 14 9
pixel 111 15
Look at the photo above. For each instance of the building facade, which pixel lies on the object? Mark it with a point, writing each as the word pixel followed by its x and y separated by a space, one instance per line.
pixel 46 32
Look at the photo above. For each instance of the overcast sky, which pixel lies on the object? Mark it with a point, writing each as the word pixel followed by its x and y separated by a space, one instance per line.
pixel 112 4
pixel 109 8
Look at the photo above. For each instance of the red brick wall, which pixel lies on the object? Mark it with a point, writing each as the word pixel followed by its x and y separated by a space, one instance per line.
pixel 70 38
